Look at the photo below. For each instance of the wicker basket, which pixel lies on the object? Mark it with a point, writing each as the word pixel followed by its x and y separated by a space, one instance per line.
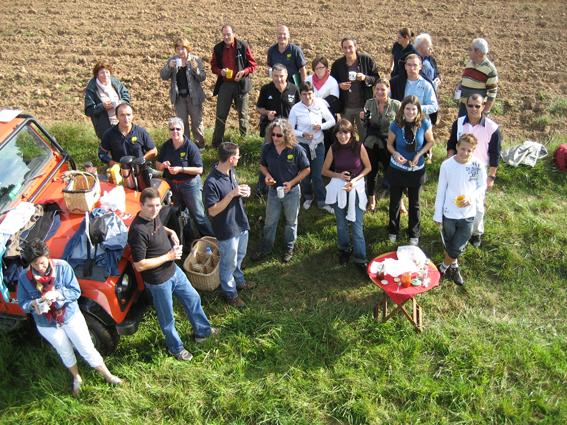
pixel 82 192
pixel 208 279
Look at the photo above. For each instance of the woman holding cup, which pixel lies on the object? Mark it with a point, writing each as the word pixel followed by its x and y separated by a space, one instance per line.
pixel 346 192
pixel 182 166
pixel 186 72
pixel 284 165
pixel 48 289
pixel 409 138
pixel 306 118
pixel 104 93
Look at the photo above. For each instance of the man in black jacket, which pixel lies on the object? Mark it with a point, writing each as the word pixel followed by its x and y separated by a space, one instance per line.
pixel 356 74
pixel 233 62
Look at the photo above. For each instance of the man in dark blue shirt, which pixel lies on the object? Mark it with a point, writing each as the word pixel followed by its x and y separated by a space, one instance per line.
pixel 223 198
pixel 125 138
pixel 288 54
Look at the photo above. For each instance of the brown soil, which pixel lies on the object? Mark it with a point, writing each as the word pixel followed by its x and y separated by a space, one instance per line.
pixel 49 48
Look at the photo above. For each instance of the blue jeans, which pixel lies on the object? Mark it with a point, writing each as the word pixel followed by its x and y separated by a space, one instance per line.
pixel 343 236
pixel 190 195
pixel 178 285
pixel 315 175
pixel 232 252
pixel 457 233
pixel 290 205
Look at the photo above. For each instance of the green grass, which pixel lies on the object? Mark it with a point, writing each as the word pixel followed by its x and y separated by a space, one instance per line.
pixel 309 350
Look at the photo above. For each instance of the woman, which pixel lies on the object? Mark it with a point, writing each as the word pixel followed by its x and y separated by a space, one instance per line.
pixel 49 290
pixel 306 118
pixel 409 138
pixel 378 115
pixel 327 88
pixel 186 93
pixel 182 166
pixel 284 164
pixel 103 94
pixel 346 192
pixel 401 48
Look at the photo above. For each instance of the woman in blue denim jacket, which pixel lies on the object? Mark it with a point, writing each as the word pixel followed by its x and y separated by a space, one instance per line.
pixel 48 289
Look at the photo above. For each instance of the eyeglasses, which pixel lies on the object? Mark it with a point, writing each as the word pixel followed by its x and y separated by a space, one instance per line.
pixel 474 106
pixel 320 67
pixel 175 129
pixel 278 135
pixel 237 156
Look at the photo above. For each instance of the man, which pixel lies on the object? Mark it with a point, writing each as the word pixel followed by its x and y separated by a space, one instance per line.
pixel 233 62
pixel 488 150
pixel 125 138
pixel 424 48
pixel 275 101
pixel 223 198
pixel 288 54
pixel 354 93
pixel 413 83
pixel 480 76
pixel 154 257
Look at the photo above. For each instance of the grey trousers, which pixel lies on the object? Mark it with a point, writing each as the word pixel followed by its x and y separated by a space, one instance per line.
pixel 185 109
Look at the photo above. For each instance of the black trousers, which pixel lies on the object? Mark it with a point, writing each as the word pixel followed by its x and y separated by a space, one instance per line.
pixel 414 210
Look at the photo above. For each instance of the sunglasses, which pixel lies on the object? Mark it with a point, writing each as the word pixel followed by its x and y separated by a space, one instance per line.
pixel 175 129
pixel 278 135
pixel 474 106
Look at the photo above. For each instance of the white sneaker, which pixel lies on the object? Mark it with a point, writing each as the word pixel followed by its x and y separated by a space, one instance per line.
pixel 393 238
pixel 307 204
pixel 414 241
pixel 329 209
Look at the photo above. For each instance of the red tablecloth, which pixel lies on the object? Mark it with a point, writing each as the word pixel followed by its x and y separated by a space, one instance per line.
pixel 402 294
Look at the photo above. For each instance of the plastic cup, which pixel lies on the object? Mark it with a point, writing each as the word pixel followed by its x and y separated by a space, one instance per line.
pixel 458 94
pixel 270 72
pixel 281 192
pixel 229 73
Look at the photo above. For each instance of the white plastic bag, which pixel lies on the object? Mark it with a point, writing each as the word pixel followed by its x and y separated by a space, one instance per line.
pixel 115 200
pixel 412 253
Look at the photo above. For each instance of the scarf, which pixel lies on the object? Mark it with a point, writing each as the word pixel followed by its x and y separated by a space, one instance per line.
pixel 318 83
pixel 47 281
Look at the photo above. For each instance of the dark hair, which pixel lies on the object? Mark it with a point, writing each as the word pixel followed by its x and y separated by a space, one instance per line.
pixel 344 126
pixel 321 59
pixel 406 33
pixel 148 193
pixel 35 249
pixel 99 65
pixel 226 150
pixel 182 42
pixel 469 138
pixel 347 39
pixel 382 81
pixel 306 86
pixel 289 137
pixel 120 106
pixel 400 117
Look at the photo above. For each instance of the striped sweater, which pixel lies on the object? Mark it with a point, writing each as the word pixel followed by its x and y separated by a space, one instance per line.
pixel 481 79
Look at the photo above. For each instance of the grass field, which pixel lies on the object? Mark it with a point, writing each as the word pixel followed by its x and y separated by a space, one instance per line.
pixel 309 351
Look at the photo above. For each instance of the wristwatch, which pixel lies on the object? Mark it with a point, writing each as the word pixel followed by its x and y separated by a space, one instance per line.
pixel 492 177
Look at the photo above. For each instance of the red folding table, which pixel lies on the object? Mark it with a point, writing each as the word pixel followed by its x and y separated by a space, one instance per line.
pixel 400 295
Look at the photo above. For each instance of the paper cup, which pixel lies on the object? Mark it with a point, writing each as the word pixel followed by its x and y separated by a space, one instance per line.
pixel 281 192
pixel 458 94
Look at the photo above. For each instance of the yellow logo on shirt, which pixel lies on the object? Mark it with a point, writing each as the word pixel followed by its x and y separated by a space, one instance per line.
pixel 182 154
pixel 289 55
pixel 289 158
pixel 134 139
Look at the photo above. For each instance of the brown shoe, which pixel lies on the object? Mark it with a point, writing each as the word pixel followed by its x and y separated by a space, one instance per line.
pixel 236 302
pixel 247 285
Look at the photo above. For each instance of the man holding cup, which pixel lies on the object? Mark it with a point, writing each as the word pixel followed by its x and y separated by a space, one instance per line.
pixel 223 198
pixel 154 251
pixel 233 62
pixel 356 74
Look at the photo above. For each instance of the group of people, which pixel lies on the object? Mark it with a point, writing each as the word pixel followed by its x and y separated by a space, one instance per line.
pixel 305 139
